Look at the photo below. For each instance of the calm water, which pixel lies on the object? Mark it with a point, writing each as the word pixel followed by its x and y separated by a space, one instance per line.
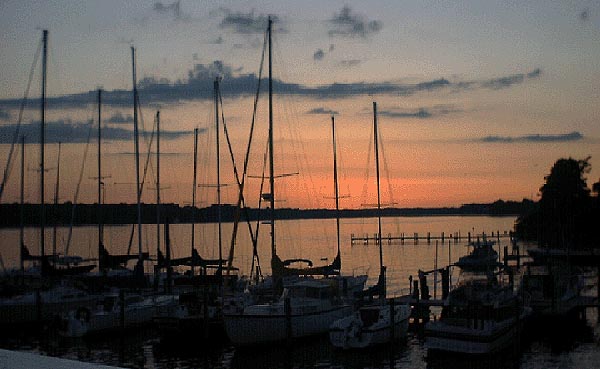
pixel 314 239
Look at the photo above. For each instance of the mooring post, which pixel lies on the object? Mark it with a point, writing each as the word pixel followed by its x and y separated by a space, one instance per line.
pixel 122 308
pixel 442 237
pixel 205 316
pixel 416 238
pixel 428 238
pixel 287 307
pixel 469 237
pixel 38 306
pixel 392 319
pixel 598 294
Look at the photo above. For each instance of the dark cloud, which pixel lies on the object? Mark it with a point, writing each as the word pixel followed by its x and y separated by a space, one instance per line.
pixel 119 118
pixel 173 9
pixel 4 115
pixel 350 63
pixel 349 24
pixel 67 131
pixel 503 82
pixel 319 54
pixel 198 85
pixel 566 137
pixel 584 15
pixel 420 113
pixel 218 41
pixel 322 110
pixel 248 23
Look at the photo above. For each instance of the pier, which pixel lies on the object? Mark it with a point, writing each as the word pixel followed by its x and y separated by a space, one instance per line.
pixel 415 238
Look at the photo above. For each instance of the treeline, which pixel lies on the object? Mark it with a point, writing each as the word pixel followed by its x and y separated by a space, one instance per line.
pixel 82 214
pixel 568 213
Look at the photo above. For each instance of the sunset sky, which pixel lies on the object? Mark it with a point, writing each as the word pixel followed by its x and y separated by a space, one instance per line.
pixel 476 99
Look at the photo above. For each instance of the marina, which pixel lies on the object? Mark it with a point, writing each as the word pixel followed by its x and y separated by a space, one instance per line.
pixel 263 286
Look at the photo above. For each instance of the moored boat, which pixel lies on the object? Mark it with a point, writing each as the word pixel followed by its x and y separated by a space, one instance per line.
pixel 478 317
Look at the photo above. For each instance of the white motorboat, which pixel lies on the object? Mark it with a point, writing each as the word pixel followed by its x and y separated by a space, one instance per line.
pixel 479 317
pixel 369 326
pixel 306 308
pixel 111 314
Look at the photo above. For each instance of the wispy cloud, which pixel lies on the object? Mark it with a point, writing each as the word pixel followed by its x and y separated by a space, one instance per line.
pixel 319 54
pixel 350 63
pixel 419 113
pixel 4 115
pixel 67 131
pixel 199 84
pixel 503 82
pixel 565 137
pixel 119 118
pixel 248 23
pixel 346 23
pixel 322 110
pixel 173 9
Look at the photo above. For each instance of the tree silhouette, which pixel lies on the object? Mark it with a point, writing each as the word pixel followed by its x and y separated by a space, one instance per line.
pixel 566 214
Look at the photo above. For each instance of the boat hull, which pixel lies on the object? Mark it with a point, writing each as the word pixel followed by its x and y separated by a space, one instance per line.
pixel 243 329
pixel 450 339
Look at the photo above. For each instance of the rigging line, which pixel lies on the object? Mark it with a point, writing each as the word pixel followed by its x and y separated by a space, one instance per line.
pixel 9 160
pixel 240 202
pixel 386 170
pixel 259 220
pixel 367 175
pixel 76 197
pixel 141 189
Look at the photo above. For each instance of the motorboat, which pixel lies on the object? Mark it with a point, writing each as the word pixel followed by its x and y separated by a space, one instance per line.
pixel 480 316
pixel 370 325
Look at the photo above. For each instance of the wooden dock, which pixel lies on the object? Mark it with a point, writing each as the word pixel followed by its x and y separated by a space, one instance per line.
pixel 415 238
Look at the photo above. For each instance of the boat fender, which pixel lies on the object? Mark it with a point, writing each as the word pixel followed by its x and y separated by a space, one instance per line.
pixel 83 313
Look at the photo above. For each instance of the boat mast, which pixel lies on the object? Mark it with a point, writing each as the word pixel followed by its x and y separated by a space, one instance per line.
pixel 140 264
pixel 158 184
pixel 99 209
pixel 271 172
pixel 42 140
pixel 218 172
pixel 22 199
pixel 56 201
pixel 376 144
pixel 335 185
pixel 194 196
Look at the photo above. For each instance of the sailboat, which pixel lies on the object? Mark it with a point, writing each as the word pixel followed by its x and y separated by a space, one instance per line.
pixel 306 307
pixel 42 305
pixel 381 321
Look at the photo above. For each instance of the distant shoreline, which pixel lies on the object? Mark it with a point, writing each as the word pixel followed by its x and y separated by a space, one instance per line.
pixel 123 214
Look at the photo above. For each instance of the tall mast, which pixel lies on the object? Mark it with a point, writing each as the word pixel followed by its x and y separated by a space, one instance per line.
pixel 271 172
pixel 137 164
pixel 194 194
pixel 376 144
pixel 218 171
pixel 158 183
pixel 42 141
pixel 99 209
pixel 22 199
pixel 335 185
pixel 56 201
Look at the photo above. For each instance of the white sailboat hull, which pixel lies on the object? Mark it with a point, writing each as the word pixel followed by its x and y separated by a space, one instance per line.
pixel 244 329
